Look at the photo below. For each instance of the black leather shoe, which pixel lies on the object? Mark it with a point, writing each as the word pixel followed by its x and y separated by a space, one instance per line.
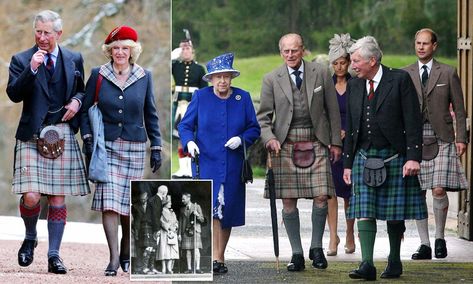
pixel 365 271
pixel 125 264
pixel 26 252
pixel 423 252
pixel 392 270
pixel 56 266
pixel 297 263
pixel 318 258
pixel 440 248
pixel 219 267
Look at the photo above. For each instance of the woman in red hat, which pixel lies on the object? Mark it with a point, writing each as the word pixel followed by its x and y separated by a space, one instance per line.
pixel 125 97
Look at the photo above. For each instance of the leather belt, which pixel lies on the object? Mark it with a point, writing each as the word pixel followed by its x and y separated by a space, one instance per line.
pixel 185 89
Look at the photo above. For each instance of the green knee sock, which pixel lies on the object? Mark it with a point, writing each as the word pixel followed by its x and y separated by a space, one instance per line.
pixel 395 231
pixel 367 231
pixel 293 229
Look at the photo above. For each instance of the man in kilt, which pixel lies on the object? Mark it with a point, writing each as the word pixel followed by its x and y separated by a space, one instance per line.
pixel 383 149
pixel 299 109
pixel 438 87
pixel 48 80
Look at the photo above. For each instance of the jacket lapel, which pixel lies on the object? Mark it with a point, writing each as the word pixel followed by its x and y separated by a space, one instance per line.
pixel 285 83
pixel 384 87
pixel 434 76
pixel 310 77
pixel 69 70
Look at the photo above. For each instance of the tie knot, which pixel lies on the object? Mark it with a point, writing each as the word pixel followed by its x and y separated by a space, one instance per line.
pixel 424 67
pixel 371 84
pixel 297 73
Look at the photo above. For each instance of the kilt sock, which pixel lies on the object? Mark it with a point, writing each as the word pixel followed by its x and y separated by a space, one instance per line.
pixel 367 231
pixel 30 217
pixel 319 216
pixel 440 207
pixel 395 231
pixel 57 216
pixel 423 230
pixel 293 229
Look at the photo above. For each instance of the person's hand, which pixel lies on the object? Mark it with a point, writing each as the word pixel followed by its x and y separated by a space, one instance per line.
pixel 335 153
pixel 176 53
pixel 155 160
pixel 342 134
pixel 72 109
pixel 461 148
pixel 273 145
pixel 88 149
pixel 192 148
pixel 179 238
pixel 411 168
pixel 233 142
pixel 347 176
pixel 37 59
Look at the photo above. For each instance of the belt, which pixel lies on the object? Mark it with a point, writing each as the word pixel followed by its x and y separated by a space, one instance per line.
pixel 185 89
pixel 385 160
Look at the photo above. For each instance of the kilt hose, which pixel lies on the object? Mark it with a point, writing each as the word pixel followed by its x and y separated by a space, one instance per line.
pixel 294 182
pixel 64 175
pixel 397 199
pixel 445 170
pixel 126 162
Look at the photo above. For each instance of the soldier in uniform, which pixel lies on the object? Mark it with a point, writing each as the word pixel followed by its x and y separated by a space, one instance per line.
pixel 187 74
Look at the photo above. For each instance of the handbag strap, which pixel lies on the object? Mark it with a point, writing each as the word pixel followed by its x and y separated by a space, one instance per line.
pixel 97 88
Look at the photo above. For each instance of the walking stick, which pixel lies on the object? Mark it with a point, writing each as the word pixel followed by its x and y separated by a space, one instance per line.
pixel 195 238
pixel 197 166
pixel 272 203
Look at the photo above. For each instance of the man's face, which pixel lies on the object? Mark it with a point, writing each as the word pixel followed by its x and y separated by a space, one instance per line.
pixel 292 51
pixel 424 47
pixel 365 69
pixel 45 37
pixel 185 199
pixel 187 53
pixel 143 198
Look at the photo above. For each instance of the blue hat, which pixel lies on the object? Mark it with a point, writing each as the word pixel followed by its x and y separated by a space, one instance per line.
pixel 220 64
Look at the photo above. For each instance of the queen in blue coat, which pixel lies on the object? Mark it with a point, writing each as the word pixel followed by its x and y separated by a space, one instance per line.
pixel 217 122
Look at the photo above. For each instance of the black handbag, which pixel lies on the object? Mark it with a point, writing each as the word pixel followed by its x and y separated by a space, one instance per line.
pixel 246 171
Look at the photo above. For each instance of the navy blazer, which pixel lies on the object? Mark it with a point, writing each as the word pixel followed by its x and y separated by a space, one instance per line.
pixel 129 114
pixel 32 89
pixel 397 113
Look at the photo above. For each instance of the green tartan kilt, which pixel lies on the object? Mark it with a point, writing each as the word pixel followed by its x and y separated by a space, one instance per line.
pixel 397 199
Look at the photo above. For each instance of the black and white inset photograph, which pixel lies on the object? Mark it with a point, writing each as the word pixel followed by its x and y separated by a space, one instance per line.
pixel 171 236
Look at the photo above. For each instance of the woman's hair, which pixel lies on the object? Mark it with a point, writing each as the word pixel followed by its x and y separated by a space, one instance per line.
pixel 134 46
pixel 48 16
pixel 368 47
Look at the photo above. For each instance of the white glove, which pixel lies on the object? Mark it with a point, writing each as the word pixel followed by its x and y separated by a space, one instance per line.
pixel 176 53
pixel 233 143
pixel 192 148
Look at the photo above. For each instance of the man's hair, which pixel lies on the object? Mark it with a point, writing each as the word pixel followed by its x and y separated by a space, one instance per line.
pixel 433 35
pixel 186 194
pixel 162 189
pixel 298 36
pixel 49 16
pixel 368 47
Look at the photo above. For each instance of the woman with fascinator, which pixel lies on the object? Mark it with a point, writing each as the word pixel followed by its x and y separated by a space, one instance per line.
pixel 124 93
pixel 339 58
pixel 219 119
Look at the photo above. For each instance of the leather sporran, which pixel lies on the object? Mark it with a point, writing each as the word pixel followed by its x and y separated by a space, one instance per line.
pixel 430 148
pixel 50 143
pixel 246 170
pixel 303 155
pixel 374 173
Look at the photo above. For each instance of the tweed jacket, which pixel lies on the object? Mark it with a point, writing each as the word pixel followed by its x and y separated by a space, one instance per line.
pixel 276 106
pixel 397 113
pixel 186 213
pixel 443 89
pixel 32 89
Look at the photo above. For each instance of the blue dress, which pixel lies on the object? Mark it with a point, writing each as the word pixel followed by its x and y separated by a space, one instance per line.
pixel 209 122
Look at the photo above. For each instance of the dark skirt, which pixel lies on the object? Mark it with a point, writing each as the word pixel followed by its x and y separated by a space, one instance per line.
pixel 342 189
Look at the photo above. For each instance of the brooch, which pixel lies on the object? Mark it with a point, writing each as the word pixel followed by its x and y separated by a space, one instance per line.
pixel 237 97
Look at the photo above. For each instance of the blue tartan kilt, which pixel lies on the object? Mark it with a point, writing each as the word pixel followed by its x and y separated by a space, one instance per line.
pixel 397 199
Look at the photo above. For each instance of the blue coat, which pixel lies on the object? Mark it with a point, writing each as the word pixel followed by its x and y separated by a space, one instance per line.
pixel 209 122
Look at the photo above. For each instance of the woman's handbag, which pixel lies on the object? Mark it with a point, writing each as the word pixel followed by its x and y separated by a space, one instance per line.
pixel 246 171
pixel 303 155
pixel 172 238
pixel 98 167
pixel 430 148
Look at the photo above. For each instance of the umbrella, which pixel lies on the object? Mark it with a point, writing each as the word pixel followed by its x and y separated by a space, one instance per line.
pixel 197 166
pixel 272 203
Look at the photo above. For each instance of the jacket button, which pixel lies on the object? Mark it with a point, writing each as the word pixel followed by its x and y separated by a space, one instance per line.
pixel 119 124
pixel 120 97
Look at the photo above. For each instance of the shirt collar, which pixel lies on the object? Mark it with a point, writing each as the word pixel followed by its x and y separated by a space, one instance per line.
pixel 428 64
pixel 376 79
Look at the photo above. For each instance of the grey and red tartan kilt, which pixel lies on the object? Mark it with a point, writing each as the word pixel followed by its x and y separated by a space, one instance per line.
pixel 399 198
pixel 64 175
pixel 294 182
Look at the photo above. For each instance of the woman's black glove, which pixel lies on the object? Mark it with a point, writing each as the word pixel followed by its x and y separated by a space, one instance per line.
pixel 88 149
pixel 155 160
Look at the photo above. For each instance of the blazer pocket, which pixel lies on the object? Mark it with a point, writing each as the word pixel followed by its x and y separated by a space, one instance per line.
pixel 440 85
pixel 318 89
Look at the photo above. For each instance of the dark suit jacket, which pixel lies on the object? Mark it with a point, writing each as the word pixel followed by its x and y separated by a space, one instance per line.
pixel 32 89
pixel 140 217
pixel 397 112
pixel 443 88
pixel 276 107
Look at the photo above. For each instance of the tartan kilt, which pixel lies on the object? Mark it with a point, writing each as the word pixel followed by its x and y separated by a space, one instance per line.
pixel 445 170
pixel 126 162
pixel 188 242
pixel 64 175
pixel 146 237
pixel 397 199
pixel 293 182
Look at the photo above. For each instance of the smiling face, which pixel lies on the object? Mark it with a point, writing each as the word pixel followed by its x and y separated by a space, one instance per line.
pixel 364 68
pixel 424 46
pixel 121 53
pixel 292 50
pixel 45 36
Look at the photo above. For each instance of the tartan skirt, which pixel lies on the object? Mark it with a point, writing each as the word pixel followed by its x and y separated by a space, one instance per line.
pixel 445 170
pixel 397 199
pixel 293 182
pixel 64 175
pixel 187 242
pixel 126 162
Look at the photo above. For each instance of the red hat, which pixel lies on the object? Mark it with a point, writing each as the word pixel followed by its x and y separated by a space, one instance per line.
pixel 122 33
